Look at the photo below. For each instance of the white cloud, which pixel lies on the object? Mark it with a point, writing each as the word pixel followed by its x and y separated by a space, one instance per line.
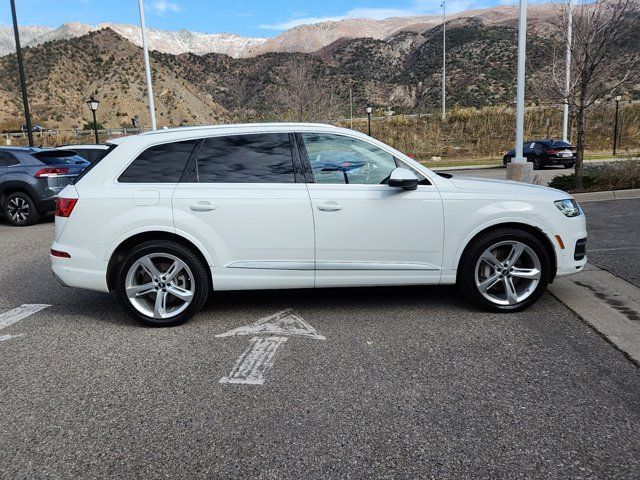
pixel 419 7
pixel 160 7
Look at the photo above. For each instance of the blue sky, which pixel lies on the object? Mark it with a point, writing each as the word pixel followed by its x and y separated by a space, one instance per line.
pixel 264 18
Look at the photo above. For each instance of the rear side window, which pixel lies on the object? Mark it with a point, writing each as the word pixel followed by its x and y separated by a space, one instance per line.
pixel 7 160
pixel 160 164
pixel 258 158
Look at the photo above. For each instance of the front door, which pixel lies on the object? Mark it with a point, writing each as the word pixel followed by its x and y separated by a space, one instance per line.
pixel 245 200
pixel 366 232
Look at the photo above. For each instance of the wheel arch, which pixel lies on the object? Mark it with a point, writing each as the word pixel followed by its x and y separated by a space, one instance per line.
pixel 534 230
pixel 130 242
pixel 12 187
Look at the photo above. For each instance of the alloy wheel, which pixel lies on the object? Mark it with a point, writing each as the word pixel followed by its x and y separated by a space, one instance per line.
pixel 160 285
pixel 18 209
pixel 508 272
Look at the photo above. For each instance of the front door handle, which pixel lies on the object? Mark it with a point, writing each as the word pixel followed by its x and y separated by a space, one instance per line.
pixel 329 207
pixel 202 207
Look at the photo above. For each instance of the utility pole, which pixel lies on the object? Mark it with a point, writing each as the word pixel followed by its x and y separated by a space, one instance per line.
pixel 23 83
pixel 351 108
pixel 444 60
pixel 520 169
pixel 147 67
pixel 567 71
pixel 615 127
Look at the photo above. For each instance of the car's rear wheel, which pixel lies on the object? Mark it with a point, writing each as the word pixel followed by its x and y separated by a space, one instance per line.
pixel 162 283
pixel 569 164
pixel 505 160
pixel 504 270
pixel 537 164
pixel 20 210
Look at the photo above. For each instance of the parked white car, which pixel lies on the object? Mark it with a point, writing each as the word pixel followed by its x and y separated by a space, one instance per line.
pixel 168 216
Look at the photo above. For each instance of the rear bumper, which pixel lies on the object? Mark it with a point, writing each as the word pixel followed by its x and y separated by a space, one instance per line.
pixel 558 160
pixel 81 273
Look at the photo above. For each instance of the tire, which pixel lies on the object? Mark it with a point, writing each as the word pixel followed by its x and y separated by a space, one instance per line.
pixel 20 210
pixel 505 160
pixel 474 272
pixel 536 163
pixel 189 280
pixel 569 164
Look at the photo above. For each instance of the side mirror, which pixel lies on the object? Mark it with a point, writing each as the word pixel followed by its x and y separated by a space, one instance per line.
pixel 403 178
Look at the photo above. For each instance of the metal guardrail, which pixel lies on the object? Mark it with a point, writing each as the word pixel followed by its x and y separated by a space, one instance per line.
pixel 76 133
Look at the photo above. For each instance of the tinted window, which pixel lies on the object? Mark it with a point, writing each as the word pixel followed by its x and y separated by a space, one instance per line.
pixel 66 160
pixel 7 159
pixel 260 158
pixel 160 164
pixel 340 159
pixel 560 143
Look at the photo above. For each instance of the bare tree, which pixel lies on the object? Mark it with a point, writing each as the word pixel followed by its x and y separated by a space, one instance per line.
pixel 300 94
pixel 600 63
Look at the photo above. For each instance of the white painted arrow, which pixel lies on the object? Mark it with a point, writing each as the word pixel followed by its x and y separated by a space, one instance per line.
pixel 257 360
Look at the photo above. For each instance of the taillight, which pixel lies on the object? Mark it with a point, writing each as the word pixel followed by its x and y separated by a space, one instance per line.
pixel 58 253
pixel 51 172
pixel 553 152
pixel 64 206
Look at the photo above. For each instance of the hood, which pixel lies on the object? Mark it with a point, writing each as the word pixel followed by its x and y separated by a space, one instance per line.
pixel 506 186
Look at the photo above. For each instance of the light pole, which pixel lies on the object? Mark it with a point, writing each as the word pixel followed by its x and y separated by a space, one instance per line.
pixel 444 60
pixel 567 73
pixel 93 106
pixel 152 109
pixel 519 169
pixel 369 109
pixel 23 83
pixel 350 109
pixel 615 125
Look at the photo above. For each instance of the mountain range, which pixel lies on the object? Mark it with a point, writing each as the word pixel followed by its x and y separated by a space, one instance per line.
pixel 394 63
pixel 304 38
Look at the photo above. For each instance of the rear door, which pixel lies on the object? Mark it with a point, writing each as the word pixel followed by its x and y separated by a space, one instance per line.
pixel 244 198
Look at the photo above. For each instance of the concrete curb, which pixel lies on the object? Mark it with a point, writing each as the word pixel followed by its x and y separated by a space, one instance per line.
pixel 608 195
pixel 608 304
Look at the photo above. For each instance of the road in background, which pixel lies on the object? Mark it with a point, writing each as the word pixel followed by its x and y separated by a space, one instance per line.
pixel 614 237
pixel 410 382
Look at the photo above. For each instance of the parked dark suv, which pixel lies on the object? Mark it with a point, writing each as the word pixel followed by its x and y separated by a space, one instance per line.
pixel 546 152
pixel 31 178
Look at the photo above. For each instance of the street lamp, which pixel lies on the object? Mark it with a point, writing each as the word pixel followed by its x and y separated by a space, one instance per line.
pixel 93 106
pixel 615 124
pixel 369 109
pixel 520 169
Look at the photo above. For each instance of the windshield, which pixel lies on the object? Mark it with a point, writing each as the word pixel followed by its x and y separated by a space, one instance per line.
pixel 561 143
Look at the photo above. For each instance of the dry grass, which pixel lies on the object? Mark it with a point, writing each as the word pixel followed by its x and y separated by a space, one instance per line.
pixel 484 135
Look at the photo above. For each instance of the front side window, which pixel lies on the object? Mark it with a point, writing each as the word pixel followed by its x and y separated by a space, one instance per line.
pixel 255 158
pixel 340 159
pixel 160 164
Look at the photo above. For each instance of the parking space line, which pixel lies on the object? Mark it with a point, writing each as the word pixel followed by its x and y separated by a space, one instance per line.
pixel 255 361
pixel 17 314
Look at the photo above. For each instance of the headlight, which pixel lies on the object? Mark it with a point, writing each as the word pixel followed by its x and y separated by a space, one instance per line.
pixel 569 207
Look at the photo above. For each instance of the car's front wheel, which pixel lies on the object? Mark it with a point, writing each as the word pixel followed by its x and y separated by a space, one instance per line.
pixel 20 210
pixel 162 283
pixel 504 270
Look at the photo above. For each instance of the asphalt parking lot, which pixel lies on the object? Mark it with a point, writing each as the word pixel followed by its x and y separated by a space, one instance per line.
pixel 409 382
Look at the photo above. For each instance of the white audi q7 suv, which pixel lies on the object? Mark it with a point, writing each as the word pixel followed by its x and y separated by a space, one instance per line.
pixel 166 217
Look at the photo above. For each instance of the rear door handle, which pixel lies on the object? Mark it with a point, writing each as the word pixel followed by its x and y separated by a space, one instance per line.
pixel 202 207
pixel 329 207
